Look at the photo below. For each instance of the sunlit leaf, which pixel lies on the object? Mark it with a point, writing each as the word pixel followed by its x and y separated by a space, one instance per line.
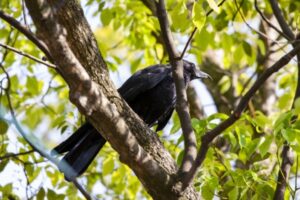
pixel 3 127
pixel 198 16
pixel 107 166
pixel 213 5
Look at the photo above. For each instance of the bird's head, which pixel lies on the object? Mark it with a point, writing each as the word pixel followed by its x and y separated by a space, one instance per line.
pixel 192 72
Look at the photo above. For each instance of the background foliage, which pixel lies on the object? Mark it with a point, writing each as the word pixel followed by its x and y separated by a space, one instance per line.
pixel 233 44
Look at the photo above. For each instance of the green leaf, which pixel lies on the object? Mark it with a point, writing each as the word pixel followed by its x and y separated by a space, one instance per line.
pixel 176 124
pixel 224 84
pixel 285 101
pixel 252 146
pixel 297 106
pixel 262 47
pixel 180 157
pixel 159 51
pixel 3 163
pixel 241 137
pixel 289 134
pixel 108 166
pixel 212 4
pixel 33 85
pixel 259 157
pixel 282 121
pixel 234 193
pixel 198 16
pixel 260 119
pixel 179 16
pixel 243 155
pixel 264 147
pixel 53 195
pixel 7 188
pixel 3 127
pixel 199 126
pixel 63 129
pixel 41 194
pixel 220 116
pixel 209 187
pixel 247 48
pixel 296 148
pixel 106 16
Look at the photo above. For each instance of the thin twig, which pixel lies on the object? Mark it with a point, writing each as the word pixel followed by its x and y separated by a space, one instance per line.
pixel 194 31
pixel 296 174
pixel 27 181
pixel 10 41
pixel 249 26
pixel 12 155
pixel 282 22
pixel 268 21
pixel 188 42
pixel 13 22
pixel 257 31
pixel 27 55
pixel 82 189
pixel 24 14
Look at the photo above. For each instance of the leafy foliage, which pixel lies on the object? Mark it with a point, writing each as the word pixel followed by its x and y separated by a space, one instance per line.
pixel 241 164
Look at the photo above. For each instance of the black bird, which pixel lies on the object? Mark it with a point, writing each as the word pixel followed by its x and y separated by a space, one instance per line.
pixel 150 92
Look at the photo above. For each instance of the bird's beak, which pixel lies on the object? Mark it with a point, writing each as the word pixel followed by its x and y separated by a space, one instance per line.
pixel 201 74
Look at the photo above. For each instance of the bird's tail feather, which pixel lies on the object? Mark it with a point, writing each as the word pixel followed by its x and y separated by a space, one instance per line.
pixel 81 147
pixel 73 140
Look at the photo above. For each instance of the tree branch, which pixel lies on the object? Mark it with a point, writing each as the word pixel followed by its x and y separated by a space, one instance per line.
pixel 283 173
pixel 195 29
pixel 268 21
pixel 27 55
pixel 12 155
pixel 209 136
pixel 23 29
pixel 282 22
pixel 190 144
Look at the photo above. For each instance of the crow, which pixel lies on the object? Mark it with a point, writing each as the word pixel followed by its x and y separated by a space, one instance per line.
pixel 150 93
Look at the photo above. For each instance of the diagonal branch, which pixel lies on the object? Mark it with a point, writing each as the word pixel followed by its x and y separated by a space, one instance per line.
pixel 195 29
pixel 12 155
pixel 190 145
pixel 268 21
pixel 23 29
pixel 209 136
pixel 27 55
pixel 282 22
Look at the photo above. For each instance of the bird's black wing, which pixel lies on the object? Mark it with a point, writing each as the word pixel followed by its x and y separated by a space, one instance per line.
pixel 163 120
pixel 143 80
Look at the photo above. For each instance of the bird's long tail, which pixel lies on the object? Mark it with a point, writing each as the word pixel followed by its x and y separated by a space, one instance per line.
pixel 81 148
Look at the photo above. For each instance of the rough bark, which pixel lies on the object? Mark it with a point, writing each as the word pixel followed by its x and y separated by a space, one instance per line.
pixel 62 26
